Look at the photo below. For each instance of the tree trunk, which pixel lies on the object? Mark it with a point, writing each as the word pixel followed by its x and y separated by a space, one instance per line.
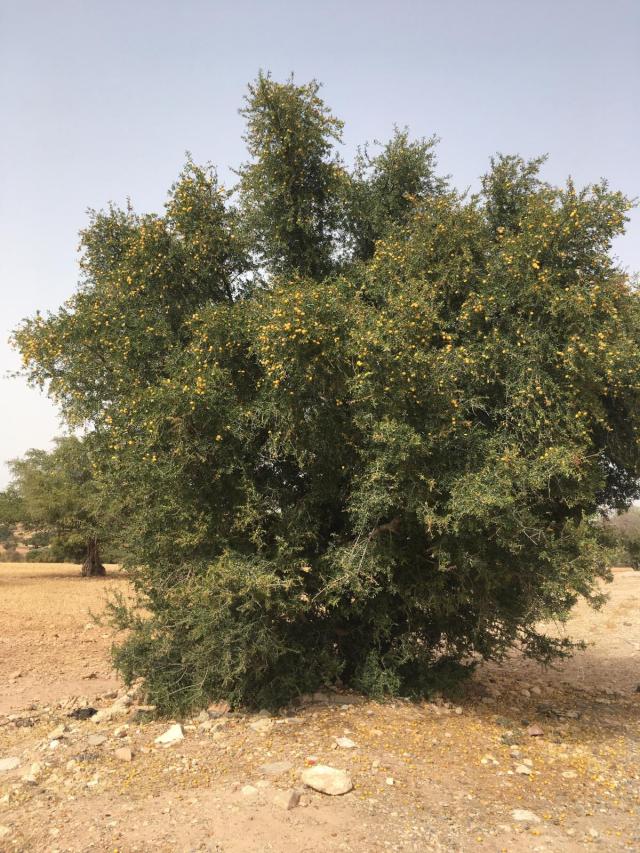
pixel 92 566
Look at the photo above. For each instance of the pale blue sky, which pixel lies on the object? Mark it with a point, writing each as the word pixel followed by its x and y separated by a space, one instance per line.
pixel 99 100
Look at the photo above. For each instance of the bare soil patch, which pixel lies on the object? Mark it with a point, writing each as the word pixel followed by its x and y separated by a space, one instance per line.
pixel 435 776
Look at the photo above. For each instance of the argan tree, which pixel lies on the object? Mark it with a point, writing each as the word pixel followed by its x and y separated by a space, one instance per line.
pixel 56 497
pixel 360 425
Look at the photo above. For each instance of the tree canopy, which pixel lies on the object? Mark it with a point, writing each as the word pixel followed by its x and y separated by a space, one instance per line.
pixel 53 494
pixel 360 424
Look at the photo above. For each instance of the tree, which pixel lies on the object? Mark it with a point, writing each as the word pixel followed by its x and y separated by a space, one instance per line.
pixel 359 425
pixel 622 532
pixel 56 496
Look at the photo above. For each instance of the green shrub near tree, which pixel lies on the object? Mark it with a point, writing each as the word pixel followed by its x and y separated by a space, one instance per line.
pixel 360 426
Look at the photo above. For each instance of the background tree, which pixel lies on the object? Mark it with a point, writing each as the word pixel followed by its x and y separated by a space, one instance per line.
pixel 382 454
pixel 57 501
pixel 622 532
pixel 10 512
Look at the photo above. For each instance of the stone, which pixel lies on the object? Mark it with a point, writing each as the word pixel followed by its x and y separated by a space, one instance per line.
pixel 172 735
pixel 390 781
pixel 218 709
pixel 287 799
pixel 525 816
pixel 123 753
pixel 4 831
pixel 262 725
pixel 121 731
pixel 569 774
pixel 248 791
pixel 346 743
pixel 9 763
pixel 523 770
pixel 58 732
pixel 276 768
pixel 321 698
pixel 120 708
pixel 327 780
pixel 33 774
pixel 535 731
pixel 96 740
pixel 16 674
pixel 82 713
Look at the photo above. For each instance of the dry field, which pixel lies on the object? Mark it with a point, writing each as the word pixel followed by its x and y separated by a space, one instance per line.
pixel 559 744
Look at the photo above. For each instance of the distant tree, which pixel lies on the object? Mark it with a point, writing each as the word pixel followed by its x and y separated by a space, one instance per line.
pixel 357 424
pixel 54 495
pixel 622 531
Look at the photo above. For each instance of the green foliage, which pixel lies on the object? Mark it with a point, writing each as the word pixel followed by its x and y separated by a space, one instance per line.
pixel 54 496
pixel 359 425
pixel 289 188
pixel 384 189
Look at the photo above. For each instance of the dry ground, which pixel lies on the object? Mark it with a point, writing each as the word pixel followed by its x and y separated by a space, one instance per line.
pixel 427 776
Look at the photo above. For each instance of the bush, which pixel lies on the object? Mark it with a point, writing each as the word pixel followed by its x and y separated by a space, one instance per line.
pixel 359 425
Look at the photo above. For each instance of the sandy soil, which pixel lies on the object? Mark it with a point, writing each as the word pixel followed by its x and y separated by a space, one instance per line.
pixel 427 776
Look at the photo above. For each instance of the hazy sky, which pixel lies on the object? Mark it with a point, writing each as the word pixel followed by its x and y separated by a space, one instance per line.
pixel 100 99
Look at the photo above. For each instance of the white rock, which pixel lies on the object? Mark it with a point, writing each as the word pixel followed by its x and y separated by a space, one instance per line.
pixel 262 726
pixel 34 773
pixel 96 740
pixel 120 708
pixel 4 831
pixel 123 753
pixel 172 735
pixel 346 743
pixel 390 781
pixel 523 770
pixel 287 799
pixel 9 763
pixel 525 815
pixel 327 780
pixel 248 791
pixel 58 732
pixel 569 774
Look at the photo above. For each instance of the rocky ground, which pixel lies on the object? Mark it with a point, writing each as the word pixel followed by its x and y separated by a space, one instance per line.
pixel 527 759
